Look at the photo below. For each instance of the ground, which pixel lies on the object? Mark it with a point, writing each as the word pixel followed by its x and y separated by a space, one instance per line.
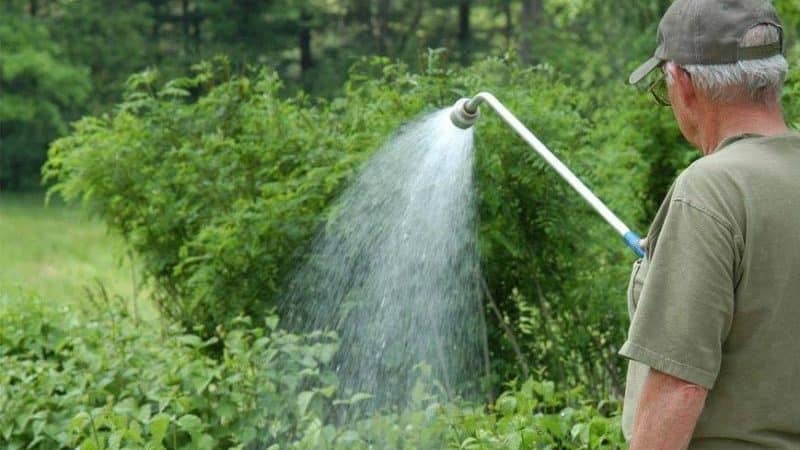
pixel 56 252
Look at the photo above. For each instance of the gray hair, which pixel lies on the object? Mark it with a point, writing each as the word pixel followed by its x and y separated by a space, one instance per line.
pixel 758 80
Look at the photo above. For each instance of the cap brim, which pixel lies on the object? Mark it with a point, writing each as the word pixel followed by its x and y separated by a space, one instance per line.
pixel 644 70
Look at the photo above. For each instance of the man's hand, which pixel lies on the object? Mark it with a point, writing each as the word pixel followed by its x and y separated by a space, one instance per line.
pixel 667 413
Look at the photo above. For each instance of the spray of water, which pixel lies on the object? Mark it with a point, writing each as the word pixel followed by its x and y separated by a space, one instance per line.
pixel 394 272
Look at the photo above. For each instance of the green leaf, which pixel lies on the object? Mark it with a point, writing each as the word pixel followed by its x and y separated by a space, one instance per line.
pixel 272 322
pixel 513 441
pixel 204 442
pixel 89 444
pixel 580 433
pixel 468 443
pixel 191 424
pixel 158 427
pixel 303 400
pixel 327 391
pixel 191 340
pixel 134 433
pixel 115 440
pixel 506 404
pixel 79 422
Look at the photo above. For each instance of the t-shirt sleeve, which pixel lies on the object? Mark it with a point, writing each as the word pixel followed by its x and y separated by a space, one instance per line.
pixel 686 305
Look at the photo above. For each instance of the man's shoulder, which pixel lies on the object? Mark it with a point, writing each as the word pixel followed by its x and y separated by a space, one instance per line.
pixel 725 180
pixel 748 150
pixel 731 163
pixel 712 184
pixel 742 155
pixel 705 176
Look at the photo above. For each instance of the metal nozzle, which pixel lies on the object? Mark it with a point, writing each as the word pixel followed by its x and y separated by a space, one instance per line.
pixel 465 113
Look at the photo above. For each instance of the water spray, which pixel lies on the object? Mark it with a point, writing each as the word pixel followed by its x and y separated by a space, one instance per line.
pixel 466 112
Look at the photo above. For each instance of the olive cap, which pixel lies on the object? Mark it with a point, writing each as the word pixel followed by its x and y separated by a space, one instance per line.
pixel 709 32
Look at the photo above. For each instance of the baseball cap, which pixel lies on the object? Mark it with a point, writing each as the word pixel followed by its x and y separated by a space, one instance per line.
pixel 709 32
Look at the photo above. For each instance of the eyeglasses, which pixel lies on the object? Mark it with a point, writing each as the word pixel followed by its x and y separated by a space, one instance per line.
pixel 658 87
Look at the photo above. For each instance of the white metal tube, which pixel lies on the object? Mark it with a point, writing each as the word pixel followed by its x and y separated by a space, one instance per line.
pixel 551 159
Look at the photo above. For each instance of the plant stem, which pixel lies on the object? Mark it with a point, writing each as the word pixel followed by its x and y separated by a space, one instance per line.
pixel 486 361
pixel 509 333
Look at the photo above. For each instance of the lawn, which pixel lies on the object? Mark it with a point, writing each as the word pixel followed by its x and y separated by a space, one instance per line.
pixel 56 251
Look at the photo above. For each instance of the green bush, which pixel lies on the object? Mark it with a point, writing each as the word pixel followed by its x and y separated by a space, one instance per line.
pixel 215 183
pixel 101 380
pixel 218 183
pixel 791 92
pixel 530 416
pixel 98 379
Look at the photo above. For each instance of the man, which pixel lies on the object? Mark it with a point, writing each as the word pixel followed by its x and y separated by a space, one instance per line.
pixel 714 342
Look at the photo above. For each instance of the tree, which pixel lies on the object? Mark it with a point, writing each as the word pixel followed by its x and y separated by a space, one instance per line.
pixel 41 94
pixel 464 33
pixel 111 38
pixel 531 16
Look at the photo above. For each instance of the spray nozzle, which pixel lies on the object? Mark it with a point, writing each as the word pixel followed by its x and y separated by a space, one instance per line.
pixel 465 113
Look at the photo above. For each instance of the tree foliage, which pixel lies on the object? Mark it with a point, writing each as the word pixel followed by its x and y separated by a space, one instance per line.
pixel 312 43
pixel 216 181
pixel 41 94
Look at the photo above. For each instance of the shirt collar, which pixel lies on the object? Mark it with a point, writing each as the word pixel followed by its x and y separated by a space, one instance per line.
pixel 731 139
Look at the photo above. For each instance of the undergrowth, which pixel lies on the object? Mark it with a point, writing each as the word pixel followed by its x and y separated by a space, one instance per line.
pixel 98 379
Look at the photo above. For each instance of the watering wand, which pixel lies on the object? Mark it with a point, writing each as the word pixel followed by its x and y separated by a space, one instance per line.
pixel 464 115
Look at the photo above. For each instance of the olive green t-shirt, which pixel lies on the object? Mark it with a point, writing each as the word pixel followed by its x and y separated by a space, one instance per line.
pixel 716 301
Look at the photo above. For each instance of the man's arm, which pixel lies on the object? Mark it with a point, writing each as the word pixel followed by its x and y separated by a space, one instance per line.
pixel 667 413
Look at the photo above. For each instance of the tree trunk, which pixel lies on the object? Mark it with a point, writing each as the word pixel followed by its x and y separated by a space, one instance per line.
pixel 304 40
pixel 380 25
pixel 156 30
pixel 361 12
pixel 531 17
pixel 464 33
pixel 196 38
pixel 359 16
pixel 463 21
pixel 185 25
pixel 158 21
pixel 33 8
pixel 413 25
pixel 509 28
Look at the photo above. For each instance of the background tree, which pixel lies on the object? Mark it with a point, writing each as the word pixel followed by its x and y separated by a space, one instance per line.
pixel 41 92
pixel 112 39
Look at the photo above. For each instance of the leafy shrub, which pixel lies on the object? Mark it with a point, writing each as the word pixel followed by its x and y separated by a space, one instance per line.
pixel 219 184
pixel 100 380
pixel 530 416
pixel 791 92
pixel 215 183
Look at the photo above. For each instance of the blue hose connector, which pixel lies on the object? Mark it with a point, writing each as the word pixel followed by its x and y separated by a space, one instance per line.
pixel 632 240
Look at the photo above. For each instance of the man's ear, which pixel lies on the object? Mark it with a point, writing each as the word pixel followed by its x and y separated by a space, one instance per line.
pixel 683 80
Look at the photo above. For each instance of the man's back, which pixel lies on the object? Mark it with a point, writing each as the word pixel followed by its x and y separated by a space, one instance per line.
pixel 726 274
pixel 759 379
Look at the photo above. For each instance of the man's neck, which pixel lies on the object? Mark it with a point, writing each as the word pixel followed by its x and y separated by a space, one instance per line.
pixel 727 121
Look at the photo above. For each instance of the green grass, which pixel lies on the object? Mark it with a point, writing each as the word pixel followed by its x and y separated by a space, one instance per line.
pixel 56 252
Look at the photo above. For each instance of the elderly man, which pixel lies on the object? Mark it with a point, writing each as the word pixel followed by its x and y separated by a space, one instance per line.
pixel 714 342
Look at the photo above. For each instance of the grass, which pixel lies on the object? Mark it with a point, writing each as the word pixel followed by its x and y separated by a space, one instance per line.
pixel 56 252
